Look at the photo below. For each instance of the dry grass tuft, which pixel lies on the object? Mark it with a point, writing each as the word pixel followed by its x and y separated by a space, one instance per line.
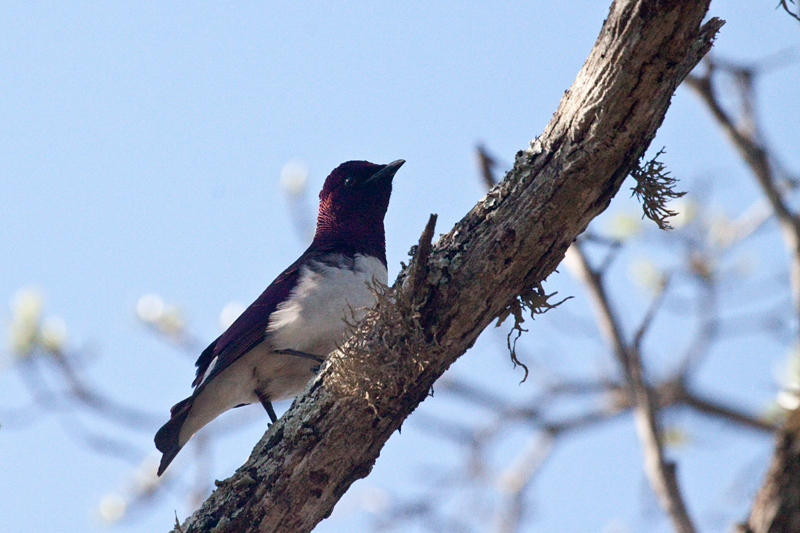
pixel 385 355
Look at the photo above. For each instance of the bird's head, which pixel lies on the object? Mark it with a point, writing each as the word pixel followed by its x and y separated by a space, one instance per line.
pixel 353 202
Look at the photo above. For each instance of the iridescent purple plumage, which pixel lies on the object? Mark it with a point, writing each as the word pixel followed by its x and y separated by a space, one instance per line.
pixel 302 311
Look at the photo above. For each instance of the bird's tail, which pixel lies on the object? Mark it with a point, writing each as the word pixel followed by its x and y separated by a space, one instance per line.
pixel 168 437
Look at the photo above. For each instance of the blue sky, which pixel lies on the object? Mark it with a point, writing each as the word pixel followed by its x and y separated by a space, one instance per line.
pixel 141 152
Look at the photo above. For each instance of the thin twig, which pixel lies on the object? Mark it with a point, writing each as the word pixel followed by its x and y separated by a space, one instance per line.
pixel 419 267
pixel 747 140
pixel 730 414
pixel 655 305
pixel 486 163
pixel 516 479
pixel 80 392
pixel 785 6
pixel 701 345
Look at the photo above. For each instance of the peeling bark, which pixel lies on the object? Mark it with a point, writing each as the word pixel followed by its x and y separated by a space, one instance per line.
pixel 509 242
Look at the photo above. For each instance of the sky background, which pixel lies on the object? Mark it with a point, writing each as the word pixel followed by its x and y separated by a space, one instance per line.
pixel 141 151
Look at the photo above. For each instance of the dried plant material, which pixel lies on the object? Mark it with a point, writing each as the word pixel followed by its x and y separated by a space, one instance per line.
pixel 655 188
pixel 385 355
pixel 177 527
pixel 535 301
pixel 399 350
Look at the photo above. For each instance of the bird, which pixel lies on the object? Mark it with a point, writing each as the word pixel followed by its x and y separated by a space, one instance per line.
pixel 277 344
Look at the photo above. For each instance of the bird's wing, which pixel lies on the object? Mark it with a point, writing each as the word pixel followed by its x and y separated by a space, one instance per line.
pixel 248 330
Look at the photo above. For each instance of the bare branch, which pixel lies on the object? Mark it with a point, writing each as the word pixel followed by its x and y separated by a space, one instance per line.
pixel 472 393
pixel 785 7
pixel 655 305
pixel 660 472
pixel 508 243
pixel 723 412
pixel 701 344
pixel 515 480
pixel 419 266
pixel 80 392
pixel 777 505
pixel 486 163
pixel 747 140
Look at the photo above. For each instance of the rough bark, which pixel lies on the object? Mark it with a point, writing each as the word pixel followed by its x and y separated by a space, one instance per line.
pixel 506 245
pixel 777 506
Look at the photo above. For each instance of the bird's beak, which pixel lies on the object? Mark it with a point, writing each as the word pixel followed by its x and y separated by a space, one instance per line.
pixel 387 172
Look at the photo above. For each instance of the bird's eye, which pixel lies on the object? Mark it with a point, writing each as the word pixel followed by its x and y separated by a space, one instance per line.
pixel 348 181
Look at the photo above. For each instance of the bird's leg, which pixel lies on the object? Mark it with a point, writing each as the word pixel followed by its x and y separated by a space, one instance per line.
pixel 267 405
pixel 298 353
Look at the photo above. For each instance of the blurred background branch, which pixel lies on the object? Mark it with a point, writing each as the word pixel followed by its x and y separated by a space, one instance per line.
pixel 680 309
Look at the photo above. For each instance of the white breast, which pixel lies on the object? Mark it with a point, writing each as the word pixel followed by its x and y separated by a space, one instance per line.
pixel 312 320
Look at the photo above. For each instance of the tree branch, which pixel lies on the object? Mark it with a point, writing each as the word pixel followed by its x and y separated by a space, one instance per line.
pixel 660 471
pixel 776 506
pixel 724 412
pixel 512 240
pixel 747 140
